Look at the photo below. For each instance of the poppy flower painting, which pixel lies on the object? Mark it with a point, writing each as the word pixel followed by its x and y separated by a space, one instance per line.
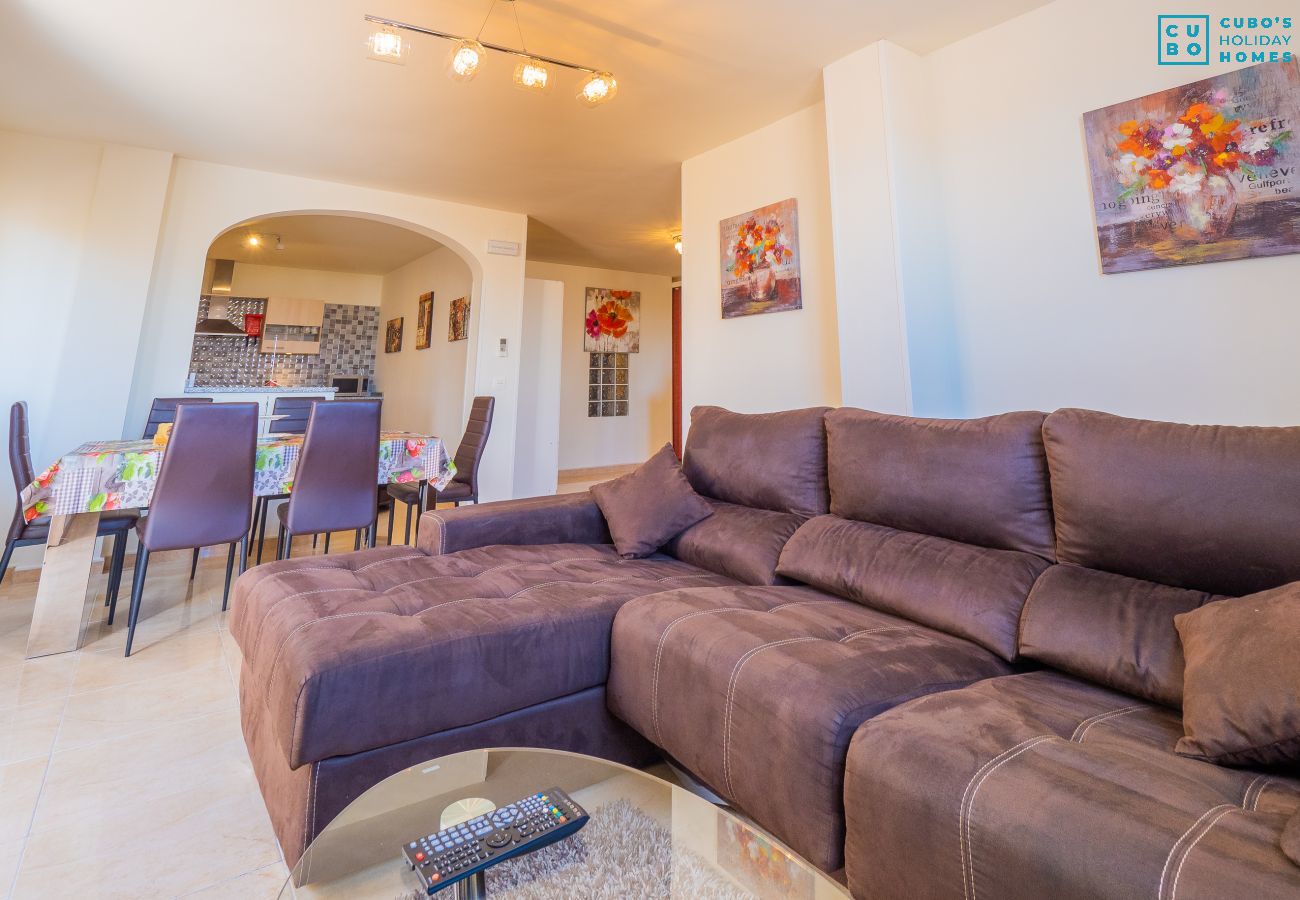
pixel 1201 173
pixel 760 261
pixel 613 321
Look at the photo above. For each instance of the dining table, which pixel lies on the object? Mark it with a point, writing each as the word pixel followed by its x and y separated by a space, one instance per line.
pixel 116 475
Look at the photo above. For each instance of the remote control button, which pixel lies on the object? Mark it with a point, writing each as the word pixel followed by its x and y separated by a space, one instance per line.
pixel 419 857
pixel 499 839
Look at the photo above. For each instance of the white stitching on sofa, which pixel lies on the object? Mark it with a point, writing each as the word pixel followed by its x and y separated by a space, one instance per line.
pixel 1249 803
pixel 1218 812
pixel 275 660
pixel 968 803
pixel 308 813
pixel 659 652
pixel 852 635
pixel 261 626
pixel 731 685
pixel 1082 729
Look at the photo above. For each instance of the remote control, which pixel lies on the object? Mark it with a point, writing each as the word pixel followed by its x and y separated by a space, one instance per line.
pixel 457 852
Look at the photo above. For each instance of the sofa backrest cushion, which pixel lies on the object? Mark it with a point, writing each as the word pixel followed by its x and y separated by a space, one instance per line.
pixel 740 542
pixel 978 481
pixel 1206 507
pixel 773 461
pixel 1109 629
pixel 967 591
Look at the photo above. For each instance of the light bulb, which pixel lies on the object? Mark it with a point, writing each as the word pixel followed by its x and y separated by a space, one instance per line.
pixel 599 87
pixel 532 75
pixel 466 58
pixel 254 241
pixel 386 45
pixel 677 244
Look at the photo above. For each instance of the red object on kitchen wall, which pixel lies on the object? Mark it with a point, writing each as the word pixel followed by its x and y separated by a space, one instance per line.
pixel 253 324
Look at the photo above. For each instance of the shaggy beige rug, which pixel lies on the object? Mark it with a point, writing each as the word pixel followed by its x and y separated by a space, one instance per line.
pixel 621 853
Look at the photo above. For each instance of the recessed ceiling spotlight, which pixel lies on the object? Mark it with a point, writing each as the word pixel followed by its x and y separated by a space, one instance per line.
pixel 254 241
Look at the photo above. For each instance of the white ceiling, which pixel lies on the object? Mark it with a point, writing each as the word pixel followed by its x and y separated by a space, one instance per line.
pixel 285 86
pixel 331 243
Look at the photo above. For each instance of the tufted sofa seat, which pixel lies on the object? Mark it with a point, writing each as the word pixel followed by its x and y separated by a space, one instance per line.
pixel 758 690
pixel 1042 785
pixel 358 651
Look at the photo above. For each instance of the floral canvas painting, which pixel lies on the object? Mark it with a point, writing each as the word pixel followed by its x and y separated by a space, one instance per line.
pixel 1201 173
pixel 613 321
pixel 760 261
pixel 458 320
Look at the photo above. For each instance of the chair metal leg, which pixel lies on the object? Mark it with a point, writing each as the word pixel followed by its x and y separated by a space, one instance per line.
pixel 230 568
pixel 243 554
pixel 315 538
pixel 115 570
pixel 327 543
pixel 356 545
pixel 194 565
pixel 261 533
pixel 392 514
pixel 288 543
pixel 371 531
pixel 279 544
pixel 407 538
pixel 4 560
pixel 257 514
pixel 419 506
pixel 137 590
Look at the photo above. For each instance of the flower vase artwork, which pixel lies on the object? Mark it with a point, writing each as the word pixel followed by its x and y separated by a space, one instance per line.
pixel 760 261
pixel 1201 173
pixel 613 321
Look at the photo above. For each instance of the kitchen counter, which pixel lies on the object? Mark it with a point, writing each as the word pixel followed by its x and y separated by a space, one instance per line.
pixel 204 391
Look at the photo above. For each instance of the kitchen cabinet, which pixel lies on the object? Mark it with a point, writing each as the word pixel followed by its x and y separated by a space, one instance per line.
pixel 293 325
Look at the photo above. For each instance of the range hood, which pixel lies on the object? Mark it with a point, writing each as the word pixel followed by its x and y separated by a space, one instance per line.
pixel 216 324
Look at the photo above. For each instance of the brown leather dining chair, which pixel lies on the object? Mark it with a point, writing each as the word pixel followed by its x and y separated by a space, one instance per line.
pixel 116 524
pixel 461 489
pixel 296 409
pixel 203 495
pixel 164 409
pixel 334 482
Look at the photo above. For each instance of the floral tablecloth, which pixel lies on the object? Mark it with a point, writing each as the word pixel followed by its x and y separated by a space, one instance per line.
pixel 105 475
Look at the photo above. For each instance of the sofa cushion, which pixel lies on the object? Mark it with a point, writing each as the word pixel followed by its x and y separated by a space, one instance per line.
pixel 1039 785
pixel 361 650
pixel 773 461
pixel 757 690
pixel 1113 630
pixel 1241 703
pixel 650 505
pixel 740 542
pixel 1205 507
pixel 979 481
pixel 967 591
pixel 1291 838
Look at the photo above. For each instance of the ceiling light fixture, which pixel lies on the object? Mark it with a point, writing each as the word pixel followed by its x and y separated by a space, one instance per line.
pixel 257 240
pixel 677 243
pixel 465 59
pixel 254 241
pixel 533 73
pixel 386 45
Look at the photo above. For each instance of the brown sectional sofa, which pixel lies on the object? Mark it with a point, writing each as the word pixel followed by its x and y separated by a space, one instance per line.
pixel 938 653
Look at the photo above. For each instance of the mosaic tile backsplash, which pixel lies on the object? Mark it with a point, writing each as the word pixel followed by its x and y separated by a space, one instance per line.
pixel 349 337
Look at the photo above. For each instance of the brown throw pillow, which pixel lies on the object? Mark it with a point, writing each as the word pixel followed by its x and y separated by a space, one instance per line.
pixel 1241 705
pixel 650 506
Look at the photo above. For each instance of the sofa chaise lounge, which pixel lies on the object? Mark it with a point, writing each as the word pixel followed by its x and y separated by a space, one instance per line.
pixel 935 657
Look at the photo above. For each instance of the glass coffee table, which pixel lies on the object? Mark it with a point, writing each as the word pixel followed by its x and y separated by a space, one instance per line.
pixel 646 838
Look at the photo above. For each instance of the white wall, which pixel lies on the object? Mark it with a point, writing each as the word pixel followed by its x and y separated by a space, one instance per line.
pixel 424 390
pixel 593 442
pixel 1039 326
pixel 778 360
pixel 78 233
pixel 351 288
pixel 206 199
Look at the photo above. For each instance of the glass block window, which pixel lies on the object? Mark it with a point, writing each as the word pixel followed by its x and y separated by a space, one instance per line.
pixel 607 385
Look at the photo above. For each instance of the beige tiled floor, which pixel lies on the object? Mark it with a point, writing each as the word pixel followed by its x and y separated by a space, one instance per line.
pixel 128 778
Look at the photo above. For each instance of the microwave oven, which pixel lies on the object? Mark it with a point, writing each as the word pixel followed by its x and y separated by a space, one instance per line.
pixel 352 384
